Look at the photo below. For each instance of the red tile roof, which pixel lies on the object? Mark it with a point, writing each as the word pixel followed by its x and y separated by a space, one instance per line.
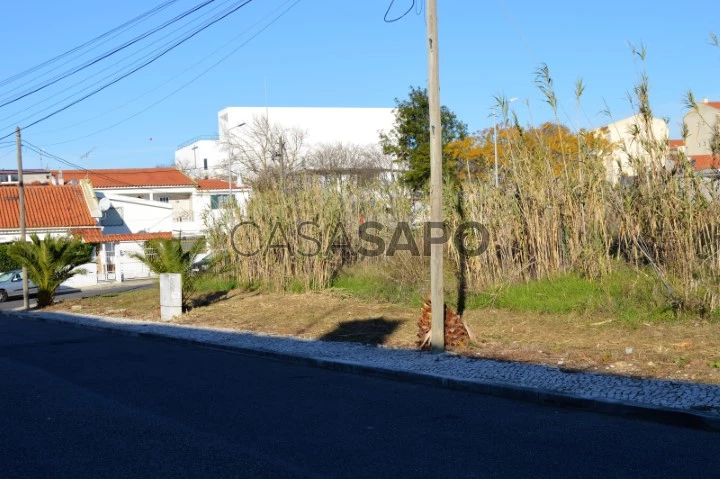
pixel 46 206
pixel 129 177
pixel 215 184
pixel 705 162
pixel 714 104
pixel 96 236
pixel 676 143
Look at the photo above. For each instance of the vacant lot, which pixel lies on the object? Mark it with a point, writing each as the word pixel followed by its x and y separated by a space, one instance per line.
pixel 682 349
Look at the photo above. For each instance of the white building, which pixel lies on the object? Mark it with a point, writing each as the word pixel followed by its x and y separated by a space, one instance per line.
pixel 351 126
pixel 626 145
pixel 212 194
pixel 147 200
pixel 73 210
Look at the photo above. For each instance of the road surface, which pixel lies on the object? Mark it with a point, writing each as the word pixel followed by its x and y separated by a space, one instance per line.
pixel 108 288
pixel 81 403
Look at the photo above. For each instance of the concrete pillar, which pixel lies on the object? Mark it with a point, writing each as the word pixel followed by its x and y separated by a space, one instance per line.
pixel 170 295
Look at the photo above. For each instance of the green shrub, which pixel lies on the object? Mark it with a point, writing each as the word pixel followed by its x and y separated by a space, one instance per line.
pixel 6 262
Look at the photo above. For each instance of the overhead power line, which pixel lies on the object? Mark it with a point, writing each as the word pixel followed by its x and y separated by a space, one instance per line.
pixel 96 74
pixel 186 84
pixel 36 88
pixel 143 65
pixel 114 179
pixel 284 8
pixel 106 35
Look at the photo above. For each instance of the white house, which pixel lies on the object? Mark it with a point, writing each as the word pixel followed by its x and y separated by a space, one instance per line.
pixel 626 145
pixel 350 126
pixel 212 194
pixel 73 210
pixel 146 200
pixel 150 199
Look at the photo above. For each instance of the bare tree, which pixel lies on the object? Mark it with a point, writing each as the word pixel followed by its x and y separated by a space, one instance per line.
pixel 186 167
pixel 264 150
pixel 337 159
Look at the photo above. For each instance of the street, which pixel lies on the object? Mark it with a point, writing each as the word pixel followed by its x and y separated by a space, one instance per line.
pixel 68 293
pixel 83 403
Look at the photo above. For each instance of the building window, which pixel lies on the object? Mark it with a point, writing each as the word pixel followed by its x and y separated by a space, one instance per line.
pixel 218 201
pixel 14 178
pixel 164 199
pixel 205 164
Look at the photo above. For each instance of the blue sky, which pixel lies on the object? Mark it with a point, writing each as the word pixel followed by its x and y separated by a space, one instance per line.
pixel 342 53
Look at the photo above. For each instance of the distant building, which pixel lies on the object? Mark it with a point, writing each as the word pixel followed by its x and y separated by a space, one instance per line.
pixel 625 145
pixel 148 200
pixel 9 177
pixel 206 157
pixel 74 210
pixel 702 124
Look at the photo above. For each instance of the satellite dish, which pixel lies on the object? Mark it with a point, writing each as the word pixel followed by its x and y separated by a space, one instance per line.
pixel 104 204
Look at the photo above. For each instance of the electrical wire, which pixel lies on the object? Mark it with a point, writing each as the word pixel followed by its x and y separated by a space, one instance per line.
pixel 184 85
pixel 387 12
pixel 117 30
pixel 106 77
pixel 36 88
pixel 155 58
pixel 200 62
pixel 114 179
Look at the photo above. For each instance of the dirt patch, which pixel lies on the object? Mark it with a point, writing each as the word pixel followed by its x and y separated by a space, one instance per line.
pixel 684 350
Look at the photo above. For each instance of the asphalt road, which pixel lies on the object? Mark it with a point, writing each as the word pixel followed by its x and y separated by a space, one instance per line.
pixel 108 288
pixel 81 403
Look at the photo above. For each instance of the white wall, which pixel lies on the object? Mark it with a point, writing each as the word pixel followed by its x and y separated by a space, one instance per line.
pixel 185 157
pixel 359 126
pixel 127 267
pixel 78 281
pixel 82 280
pixel 700 123
pixel 322 125
pixel 619 134
pixel 138 215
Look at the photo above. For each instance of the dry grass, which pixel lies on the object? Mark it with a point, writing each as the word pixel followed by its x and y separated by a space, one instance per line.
pixel 684 350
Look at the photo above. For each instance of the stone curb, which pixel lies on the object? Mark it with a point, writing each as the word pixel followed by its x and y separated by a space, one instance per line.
pixel 658 414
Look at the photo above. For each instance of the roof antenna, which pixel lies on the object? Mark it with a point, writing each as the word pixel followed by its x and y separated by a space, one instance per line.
pixel 85 156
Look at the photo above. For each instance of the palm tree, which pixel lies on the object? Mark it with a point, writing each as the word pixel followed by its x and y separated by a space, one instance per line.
pixel 50 262
pixel 168 256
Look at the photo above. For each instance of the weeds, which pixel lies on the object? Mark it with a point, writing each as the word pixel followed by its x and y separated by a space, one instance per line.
pixel 563 239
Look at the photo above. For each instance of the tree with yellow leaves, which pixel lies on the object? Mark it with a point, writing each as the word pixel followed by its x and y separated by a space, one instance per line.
pixel 549 144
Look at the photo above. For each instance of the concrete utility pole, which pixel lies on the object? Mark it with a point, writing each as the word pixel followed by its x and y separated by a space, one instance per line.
pixel 437 334
pixel 21 206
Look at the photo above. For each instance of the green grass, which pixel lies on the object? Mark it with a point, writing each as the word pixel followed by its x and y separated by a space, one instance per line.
pixel 211 284
pixel 369 285
pixel 627 295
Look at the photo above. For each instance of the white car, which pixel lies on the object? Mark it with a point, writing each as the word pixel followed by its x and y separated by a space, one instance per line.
pixel 11 285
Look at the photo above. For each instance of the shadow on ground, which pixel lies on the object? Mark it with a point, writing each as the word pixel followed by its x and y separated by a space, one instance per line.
pixel 372 331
